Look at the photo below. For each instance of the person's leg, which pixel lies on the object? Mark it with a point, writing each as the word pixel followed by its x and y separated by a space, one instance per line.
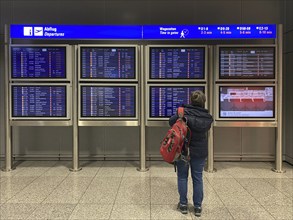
pixel 182 179
pixel 197 165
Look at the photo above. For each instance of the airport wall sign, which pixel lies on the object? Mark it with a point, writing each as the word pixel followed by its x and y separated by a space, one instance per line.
pixel 143 32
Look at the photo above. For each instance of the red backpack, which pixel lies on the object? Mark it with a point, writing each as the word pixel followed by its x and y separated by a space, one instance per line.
pixel 175 139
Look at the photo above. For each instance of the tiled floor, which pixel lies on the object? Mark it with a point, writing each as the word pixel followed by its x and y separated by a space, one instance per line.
pixel 115 190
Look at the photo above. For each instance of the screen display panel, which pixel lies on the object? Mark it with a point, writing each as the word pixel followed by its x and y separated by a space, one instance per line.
pixel 164 100
pixel 108 62
pixel 246 101
pixel 177 62
pixel 247 63
pixel 38 62
pixel 38 101
pixel 108 101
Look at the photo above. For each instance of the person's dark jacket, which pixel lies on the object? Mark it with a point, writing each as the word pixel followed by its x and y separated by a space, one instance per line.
pixel 199 121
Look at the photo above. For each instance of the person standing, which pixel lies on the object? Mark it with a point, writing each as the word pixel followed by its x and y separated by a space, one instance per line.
pixel 199 122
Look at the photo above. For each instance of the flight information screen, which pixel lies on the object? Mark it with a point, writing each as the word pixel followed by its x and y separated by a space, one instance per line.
pixel 38 101
pixel 108 101
pixel 177 63
pixel 38 62
pixel 164 100
pixel 247 102
pixel 247 63
pixel 108 62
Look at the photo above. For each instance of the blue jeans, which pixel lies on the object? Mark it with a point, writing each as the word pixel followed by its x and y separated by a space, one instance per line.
pixel 197 165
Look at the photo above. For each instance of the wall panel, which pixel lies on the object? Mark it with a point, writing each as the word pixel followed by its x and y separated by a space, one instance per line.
pixel 289 15
pixel 122 141
pixel 127 12
pixel 217 12
pixel 288 81
pixel 36 12
pixel 258 142
pixel 5 14
pixel 171 12
pixel 2 105
pixel 90 12
pixel 227 142
pixel 288 107
pixel 40 140
pixel 262 12
pixel 288 47
pixel 154 136
pixel 92 141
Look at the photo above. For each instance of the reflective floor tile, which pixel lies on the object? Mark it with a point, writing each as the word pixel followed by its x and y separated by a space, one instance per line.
pixel 268 173
pixel 243 198
pixel 213 212
pixel 16 211
pixel 258 188
pixel 167 212
pixel 86 172
pixel 89 169
pixel 91 211
pixel 275 198
pixel 5 175
pixel 32 171
pixel 130 212
pixel 164 191
pixel 133 172
pixel 218 175
pixel 211 198
pixel 59 169
pixel 224 183
pixel 69 191
pixel 283 185
pixel 12 186
pixel 288 168
pixel 252 212
pixel 281 212
pixel 35 168
pixel 110 171
pixel 162 169
pixel 134 190
pixel 37 191
pixel 102 191
pixel 52 211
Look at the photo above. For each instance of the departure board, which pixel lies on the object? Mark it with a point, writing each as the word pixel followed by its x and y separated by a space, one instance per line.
pixel 108 101
pixel 38 101
pixel 38 62
pixel 177 63
pixel 108 62
pixel 164 100
pixel 246 102
pixel 247 63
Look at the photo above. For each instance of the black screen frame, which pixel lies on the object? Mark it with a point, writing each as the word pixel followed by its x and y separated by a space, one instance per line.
pixel 107 47
pixel 109 117
pixel 167 86
pixel 49 117
pixel 178 47
pixel 243 118
pixel 39 78
pixel 220 76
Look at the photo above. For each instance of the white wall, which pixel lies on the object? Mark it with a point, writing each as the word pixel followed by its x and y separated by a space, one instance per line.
pixel 288 81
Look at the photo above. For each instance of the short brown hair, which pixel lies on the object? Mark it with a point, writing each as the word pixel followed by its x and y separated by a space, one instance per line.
pixel 198 98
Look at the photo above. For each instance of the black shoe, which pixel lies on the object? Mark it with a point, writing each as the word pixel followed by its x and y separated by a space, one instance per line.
pixel 197 211
pixel 182 208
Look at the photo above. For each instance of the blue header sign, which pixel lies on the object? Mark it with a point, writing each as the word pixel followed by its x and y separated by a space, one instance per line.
pixel 76 31
pixel 189 32
pixel 144 32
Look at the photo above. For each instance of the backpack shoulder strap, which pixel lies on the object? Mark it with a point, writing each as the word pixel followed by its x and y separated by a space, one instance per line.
pixel 181 112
